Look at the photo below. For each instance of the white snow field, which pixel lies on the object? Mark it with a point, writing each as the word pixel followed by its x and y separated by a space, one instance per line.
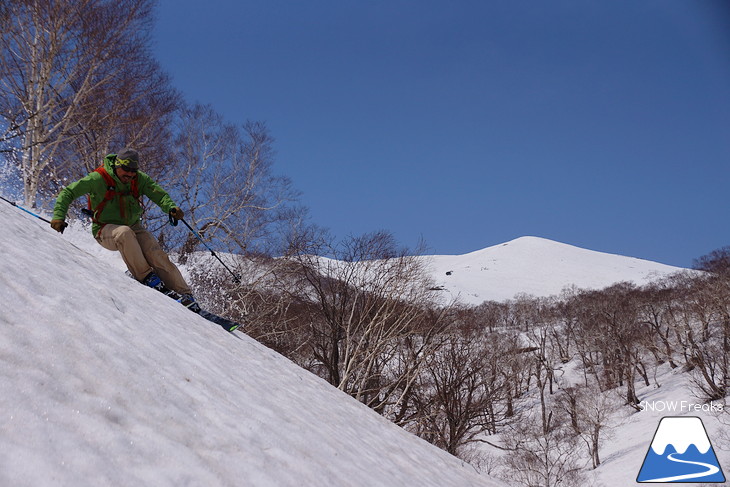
pixel 104 382
pixel 538 267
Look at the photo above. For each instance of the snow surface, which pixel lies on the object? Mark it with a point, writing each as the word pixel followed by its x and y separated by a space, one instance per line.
pixel 538 267
pixel 104 382
pixel 98 389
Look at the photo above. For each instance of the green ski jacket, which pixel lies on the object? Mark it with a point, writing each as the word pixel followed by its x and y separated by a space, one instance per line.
pixel 123 209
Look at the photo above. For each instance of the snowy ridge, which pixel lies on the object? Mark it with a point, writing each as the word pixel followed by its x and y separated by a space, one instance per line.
pixel 105 382
pixel 538 267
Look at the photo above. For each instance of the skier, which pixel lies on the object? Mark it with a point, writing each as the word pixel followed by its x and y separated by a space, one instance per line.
pixel 114 191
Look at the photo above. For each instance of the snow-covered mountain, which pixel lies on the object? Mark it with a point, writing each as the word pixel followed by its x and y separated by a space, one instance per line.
pixel 535 266
pixel 104 382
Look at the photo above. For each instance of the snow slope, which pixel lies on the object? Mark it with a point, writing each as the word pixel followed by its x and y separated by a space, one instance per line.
pixel 105 382
pixel 535 266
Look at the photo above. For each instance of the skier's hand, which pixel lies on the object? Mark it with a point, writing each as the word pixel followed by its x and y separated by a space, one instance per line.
pixel 177 214
pixel 59 225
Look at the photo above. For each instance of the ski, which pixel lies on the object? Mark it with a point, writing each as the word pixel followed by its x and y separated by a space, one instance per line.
pixel 225 323
pixel 228 325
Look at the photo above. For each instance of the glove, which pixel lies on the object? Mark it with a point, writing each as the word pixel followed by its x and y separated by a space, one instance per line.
pixel 177 214
pixel 59 225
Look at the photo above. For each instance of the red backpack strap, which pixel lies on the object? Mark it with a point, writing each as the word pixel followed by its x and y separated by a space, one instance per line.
pixel 109 180
pixel 111 191
pixel 135 188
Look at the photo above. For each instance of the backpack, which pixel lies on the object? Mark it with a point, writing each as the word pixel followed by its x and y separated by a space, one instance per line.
pixel 111 192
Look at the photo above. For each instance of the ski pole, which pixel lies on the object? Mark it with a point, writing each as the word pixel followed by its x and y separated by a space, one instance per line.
pixel 236 278
pixel 25 210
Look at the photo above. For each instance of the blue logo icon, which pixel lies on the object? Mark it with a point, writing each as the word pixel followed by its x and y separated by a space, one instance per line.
pixel 680 452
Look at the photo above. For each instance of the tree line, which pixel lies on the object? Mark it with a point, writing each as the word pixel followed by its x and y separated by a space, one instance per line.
pixel 543 380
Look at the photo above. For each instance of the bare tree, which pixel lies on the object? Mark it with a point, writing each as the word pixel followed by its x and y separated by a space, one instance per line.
pixel 136 111
pixel 716 262
pixel 702 323
pixel 491 315
pixel 611 338
pixel 58 64
pixel 226 182
pixel 542 459
pixel 372 302
pixel 463 388
pixel 543 371
pixel 591 413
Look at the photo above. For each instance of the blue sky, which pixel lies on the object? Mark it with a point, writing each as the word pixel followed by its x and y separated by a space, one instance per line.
pixel 602 124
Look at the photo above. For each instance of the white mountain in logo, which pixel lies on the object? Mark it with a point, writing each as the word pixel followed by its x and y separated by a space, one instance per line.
pixel 680 452
pixel 680 432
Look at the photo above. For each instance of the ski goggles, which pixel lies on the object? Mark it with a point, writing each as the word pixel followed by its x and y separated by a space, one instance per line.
pixel 128 165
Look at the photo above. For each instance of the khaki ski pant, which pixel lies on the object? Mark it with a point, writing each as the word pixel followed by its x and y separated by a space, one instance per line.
pixel 142 254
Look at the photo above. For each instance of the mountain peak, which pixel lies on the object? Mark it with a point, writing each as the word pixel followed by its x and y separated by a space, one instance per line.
pixel 536 266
